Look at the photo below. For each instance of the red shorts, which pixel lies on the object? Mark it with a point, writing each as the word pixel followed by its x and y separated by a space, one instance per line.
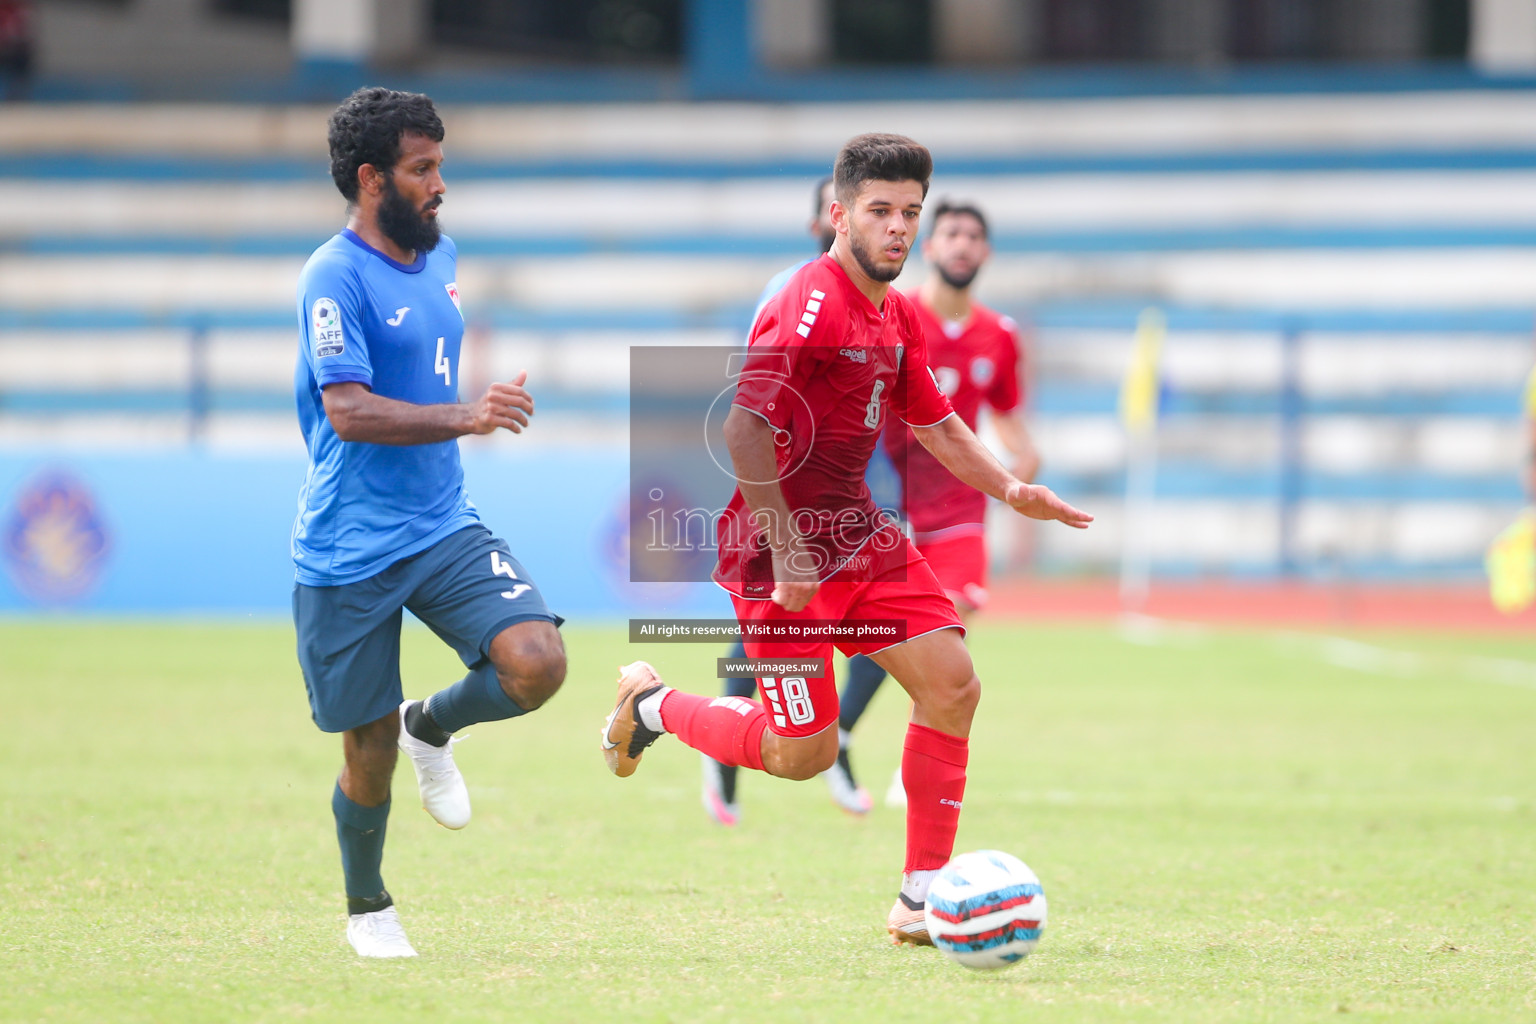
pixel 800 706
pixel 959 560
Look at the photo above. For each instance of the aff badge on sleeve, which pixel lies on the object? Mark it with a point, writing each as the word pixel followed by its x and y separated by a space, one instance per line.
pixel 453 293
pixel 325 328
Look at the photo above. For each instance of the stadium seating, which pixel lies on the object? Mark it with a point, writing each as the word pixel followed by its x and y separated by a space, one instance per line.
pixel 1349 282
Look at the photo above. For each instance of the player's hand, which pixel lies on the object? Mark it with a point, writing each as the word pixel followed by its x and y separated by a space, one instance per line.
pixel 1039 502
pixel 505 404
pixel 793 584
pixel 793 597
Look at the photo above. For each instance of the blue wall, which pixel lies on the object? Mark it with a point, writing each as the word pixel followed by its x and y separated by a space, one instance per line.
pixel 201 533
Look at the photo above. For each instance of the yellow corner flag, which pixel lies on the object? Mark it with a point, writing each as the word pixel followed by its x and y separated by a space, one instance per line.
pixel 1511 565
pixel 1139 390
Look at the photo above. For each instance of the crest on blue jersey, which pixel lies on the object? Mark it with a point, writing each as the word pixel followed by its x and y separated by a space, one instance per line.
pixel 55 541
pixel 325 328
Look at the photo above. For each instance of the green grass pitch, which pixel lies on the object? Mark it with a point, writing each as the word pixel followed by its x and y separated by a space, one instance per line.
pixel 1229 827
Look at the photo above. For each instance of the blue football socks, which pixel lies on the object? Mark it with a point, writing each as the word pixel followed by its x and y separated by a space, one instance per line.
pixel 478 697
pixel 360 833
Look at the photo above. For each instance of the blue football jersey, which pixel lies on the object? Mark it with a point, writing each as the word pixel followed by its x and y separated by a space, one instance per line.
pixel 396 328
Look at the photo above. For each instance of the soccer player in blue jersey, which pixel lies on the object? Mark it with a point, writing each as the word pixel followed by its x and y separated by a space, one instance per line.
pixel 384 523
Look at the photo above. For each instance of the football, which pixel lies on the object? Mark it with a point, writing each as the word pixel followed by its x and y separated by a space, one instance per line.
pixel 986 910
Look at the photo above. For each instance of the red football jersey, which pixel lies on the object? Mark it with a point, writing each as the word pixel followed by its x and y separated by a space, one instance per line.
pixel 827 371
pixel 974 362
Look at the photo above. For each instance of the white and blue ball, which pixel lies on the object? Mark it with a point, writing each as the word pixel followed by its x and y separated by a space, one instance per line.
pixel 986 910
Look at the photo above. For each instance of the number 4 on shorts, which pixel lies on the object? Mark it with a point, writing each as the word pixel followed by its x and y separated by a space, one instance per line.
pixel 500 568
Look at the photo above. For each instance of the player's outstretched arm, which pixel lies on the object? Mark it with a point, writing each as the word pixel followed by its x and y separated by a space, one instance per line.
pixel 750 440
pixel 1040 502
pixel 357 414
pixel 953 444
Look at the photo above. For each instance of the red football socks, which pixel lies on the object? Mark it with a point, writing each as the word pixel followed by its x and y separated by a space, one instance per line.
pixel 933 772
pixel 728 729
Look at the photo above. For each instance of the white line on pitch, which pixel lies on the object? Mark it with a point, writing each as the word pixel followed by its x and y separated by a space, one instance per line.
pixel 1340 652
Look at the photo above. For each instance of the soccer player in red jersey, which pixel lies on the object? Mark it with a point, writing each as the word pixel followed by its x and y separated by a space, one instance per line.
pixel 974 354
pixel 831 357
pixel 719 791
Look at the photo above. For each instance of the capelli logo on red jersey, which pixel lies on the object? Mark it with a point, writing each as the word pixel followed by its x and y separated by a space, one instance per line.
pixel 858 355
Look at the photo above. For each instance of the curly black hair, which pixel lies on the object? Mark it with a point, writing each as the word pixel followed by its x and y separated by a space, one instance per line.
pixel 367 127
pixel 880 157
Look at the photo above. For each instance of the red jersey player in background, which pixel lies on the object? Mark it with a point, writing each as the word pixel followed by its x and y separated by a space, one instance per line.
pixel 975 354
pixel 831 357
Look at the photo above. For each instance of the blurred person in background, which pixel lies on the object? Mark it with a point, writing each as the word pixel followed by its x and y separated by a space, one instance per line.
pixel 384 522
pixel 975 354
pixel 820 228
pixel 15 48
pixel 719 793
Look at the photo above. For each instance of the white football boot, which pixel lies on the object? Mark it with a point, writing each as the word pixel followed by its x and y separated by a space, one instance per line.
pixel 907 922
pixel 379 935
pixel 443 792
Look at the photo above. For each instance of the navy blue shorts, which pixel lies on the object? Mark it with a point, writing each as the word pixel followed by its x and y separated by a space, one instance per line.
pixel 467 588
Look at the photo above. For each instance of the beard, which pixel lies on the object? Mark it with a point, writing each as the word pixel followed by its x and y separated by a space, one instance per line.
pixel 867 264
pixel 403 224
pixel 959 282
